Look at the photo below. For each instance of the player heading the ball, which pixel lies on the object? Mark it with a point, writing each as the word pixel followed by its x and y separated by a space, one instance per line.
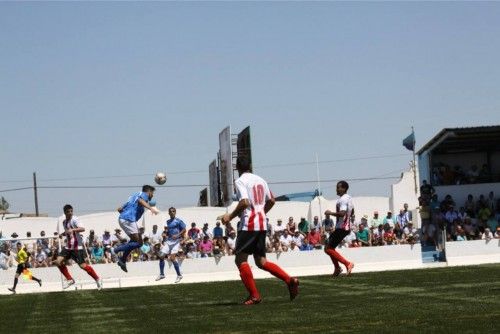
pixel 130 213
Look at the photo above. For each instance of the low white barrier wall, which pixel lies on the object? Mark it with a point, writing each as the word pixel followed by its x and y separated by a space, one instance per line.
pixel 462 253
pixel 297 264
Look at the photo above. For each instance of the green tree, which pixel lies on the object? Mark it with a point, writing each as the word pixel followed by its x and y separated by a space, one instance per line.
pixel 4 205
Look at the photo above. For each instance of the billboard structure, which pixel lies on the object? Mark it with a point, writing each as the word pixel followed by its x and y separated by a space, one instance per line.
pixel 243 145
pixel 226 166
pixel 213 181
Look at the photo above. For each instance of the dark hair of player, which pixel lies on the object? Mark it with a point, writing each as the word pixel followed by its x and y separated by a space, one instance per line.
pixel 344 185
pixel 243 164
pixel 67 207
pixel 147 188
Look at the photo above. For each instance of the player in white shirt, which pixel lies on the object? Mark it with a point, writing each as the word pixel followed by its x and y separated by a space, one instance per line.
pixel 255 200
pixel 73 248
pixel 343 213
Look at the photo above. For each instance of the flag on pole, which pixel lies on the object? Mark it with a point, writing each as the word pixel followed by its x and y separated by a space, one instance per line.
pixel 409 142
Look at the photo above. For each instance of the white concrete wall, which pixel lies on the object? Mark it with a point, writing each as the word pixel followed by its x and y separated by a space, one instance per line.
pixel 404 192
pixel 296 264
pixel 473 252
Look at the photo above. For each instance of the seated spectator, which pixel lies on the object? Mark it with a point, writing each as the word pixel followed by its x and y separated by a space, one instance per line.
pixel 470 231
pixel 470 206
pixel 118 238
pixel 91 238
pixel 363 236
pixel 276 243
pixel 303 226
pixel 483 216
pixel 5 259
pixel 145 249
pixel 492 222
pixel 316 225
pixel 279 228
pixel 40 258
pixel 269 244
pixel 97 253
pixel 107 241
pixel 205 232
pixel 314 238
pixel 291 226
pixel 192 249
pixel 306 246
pixel 328 226
pixel 364 221
pixel 376 221
pixel 298 238
pixel 398 234
pixel 402 219
pixel 206 247
pixel 194 232
pixel 377 236
pixel 389 219
pixel 460 234
pixel 218 232
pixel 487 235
pixel 270 229
pixel 410 234
pixel 389 237
pixel 155 236
pixel 286 241
pixel 218 247
pixel 231 243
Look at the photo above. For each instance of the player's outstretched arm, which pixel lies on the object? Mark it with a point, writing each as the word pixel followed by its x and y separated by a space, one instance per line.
pixel 145 204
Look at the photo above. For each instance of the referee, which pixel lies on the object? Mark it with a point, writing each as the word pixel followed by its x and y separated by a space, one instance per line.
pixel 22 259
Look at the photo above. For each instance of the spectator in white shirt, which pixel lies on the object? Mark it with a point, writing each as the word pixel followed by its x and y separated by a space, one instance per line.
pixel 286 241
pixel 279 228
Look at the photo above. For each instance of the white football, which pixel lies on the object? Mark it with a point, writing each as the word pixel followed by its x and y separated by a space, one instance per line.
pixel 160 178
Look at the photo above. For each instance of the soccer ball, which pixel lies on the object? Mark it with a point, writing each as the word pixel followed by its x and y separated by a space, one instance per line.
pixel 160 178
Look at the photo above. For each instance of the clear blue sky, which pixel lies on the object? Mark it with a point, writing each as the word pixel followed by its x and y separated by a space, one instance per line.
pixel 111 89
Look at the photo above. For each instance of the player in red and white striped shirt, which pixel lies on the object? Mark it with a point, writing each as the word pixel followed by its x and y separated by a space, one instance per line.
pixel 73 248
pixel 344 211
pixel 255 200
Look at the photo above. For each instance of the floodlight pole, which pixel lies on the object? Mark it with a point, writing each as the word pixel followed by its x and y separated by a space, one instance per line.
pixel 35 190
pixel 414 164
pixel 319 188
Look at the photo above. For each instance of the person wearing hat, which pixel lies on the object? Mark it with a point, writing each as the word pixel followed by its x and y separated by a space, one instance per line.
pixel 279 228
pixel 376 220
pixel 22 259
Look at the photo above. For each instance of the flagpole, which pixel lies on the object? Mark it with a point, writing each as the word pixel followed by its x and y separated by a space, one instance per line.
pixel 414 163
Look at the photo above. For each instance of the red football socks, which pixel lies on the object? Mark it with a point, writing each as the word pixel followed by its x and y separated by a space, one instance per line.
pixel 91 272
pixel 64 270
pixel 247 278
pixel 276 271
pixel 336 257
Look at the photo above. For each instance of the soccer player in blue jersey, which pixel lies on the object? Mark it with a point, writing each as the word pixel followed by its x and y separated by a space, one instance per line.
pixel 130 213
pixel 176 232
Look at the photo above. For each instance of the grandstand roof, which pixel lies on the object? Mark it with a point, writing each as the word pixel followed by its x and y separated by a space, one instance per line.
pixel 467 139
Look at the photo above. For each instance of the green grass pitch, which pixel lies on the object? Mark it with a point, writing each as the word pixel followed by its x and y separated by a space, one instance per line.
pixel 459 299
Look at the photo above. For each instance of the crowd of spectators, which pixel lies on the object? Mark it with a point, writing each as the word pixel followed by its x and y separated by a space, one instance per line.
pixel 443 174
pixel 476 219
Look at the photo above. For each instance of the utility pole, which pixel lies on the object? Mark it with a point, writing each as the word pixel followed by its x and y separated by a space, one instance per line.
pixel 36 193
